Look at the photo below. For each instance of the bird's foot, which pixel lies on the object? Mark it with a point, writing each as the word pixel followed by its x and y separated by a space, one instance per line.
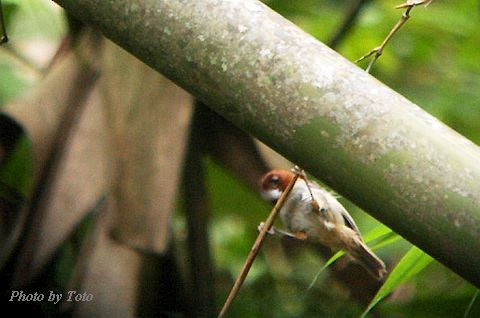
pixel 270 231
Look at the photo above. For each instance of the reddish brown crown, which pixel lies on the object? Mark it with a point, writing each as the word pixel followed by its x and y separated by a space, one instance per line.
pixel 277 179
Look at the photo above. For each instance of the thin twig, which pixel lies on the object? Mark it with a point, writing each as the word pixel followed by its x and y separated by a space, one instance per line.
pixel 298 170
pixel 379 50
pixel 256 248
pixel 408 5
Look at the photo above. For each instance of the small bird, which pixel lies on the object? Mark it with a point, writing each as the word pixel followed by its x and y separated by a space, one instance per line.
pixel 311 213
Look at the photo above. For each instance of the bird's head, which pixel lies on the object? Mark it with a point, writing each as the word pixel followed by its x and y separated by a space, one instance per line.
pixel 273 183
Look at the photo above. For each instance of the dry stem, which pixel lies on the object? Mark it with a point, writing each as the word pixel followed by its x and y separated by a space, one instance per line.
pixel 256 247
pixel 376 52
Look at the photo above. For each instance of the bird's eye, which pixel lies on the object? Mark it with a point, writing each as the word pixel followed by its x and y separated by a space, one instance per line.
pixel 275 180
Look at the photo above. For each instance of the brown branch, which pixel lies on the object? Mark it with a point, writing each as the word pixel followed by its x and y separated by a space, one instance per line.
pixel 256 247
pixel 202 294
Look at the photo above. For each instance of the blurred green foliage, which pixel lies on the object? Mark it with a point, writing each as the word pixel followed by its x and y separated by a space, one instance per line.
pixel 16 172
pixel 33 27
pixel 11 84
pixel 434 61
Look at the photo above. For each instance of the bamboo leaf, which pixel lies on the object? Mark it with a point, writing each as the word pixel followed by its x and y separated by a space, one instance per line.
pixel 412 263
pixel 330 261
pixel 470 305
pixel 376 233
pixel 386 240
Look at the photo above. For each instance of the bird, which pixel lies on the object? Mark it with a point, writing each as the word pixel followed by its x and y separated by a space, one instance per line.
pixel 313 214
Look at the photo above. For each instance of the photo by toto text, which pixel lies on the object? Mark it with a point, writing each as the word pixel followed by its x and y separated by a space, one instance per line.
pixel 72 295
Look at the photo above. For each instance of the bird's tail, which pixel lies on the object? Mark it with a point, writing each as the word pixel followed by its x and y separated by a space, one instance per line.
pixel 365 257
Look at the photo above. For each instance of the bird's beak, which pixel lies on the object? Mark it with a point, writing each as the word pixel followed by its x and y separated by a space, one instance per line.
pixel 271 195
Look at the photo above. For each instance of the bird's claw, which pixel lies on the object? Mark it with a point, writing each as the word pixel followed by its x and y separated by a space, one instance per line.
pixel 270 231
pixel 273 230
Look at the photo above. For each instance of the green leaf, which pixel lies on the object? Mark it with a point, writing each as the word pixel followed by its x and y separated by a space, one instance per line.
pixel 330 261
pixel 383 236
pixel 376 233
pixel 470 305
pixel 386 240
pixel 16 173
pixel 413 262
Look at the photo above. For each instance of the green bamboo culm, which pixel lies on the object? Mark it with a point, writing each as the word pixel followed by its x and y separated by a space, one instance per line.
pixel 279 84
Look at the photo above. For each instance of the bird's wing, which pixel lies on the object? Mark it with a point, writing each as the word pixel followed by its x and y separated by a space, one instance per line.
pixel 332 199
pixel 350 222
